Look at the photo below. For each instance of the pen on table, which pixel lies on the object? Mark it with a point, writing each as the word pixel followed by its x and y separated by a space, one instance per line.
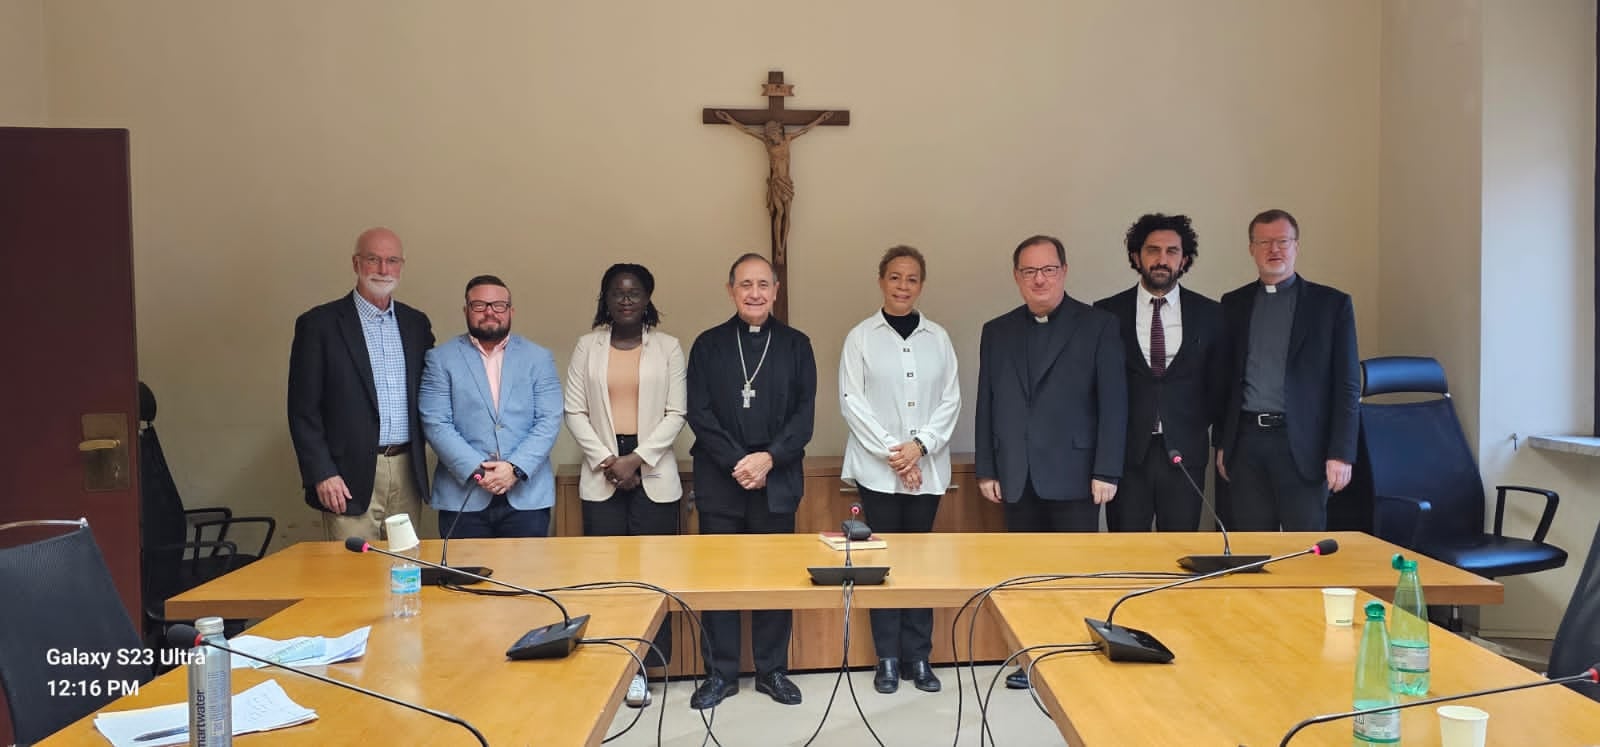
pixel 163 734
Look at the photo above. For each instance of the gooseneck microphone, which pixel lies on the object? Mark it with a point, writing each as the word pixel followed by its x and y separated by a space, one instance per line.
pixel 468 574
pixel 553 641
pixel 854 530
pixel 186 637
pixel 1131 644
pixel 1212 563
pixel 1591 676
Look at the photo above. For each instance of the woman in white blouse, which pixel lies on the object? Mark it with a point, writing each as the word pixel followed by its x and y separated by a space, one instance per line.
pixel 900 397
pixel 625 399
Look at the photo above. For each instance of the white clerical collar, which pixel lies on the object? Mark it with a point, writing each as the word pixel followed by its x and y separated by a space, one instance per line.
pixel 1285 285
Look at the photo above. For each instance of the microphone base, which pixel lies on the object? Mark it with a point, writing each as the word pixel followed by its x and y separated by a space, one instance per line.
pixel 837 575
pixel 1204 564
pixel 553 641
pixel 1127 644
pixel 442 577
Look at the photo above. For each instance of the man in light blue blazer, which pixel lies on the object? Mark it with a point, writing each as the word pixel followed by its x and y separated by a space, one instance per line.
pixel 491 408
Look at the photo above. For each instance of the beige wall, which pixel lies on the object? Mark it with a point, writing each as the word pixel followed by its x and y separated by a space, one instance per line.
pixel 22 76
pixel 542 141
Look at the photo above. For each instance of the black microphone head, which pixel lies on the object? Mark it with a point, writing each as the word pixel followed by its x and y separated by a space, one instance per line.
pixel 355 544
pixel 1174 456
pixel 1326 547
pixel 183 636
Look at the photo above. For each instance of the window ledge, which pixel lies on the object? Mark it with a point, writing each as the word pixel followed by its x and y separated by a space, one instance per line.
pixel 1584 445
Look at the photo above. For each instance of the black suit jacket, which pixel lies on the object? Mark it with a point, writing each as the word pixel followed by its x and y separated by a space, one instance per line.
pixel 1322 376
pixel 1191 395
pixel 333 402
pixel 1063 429
pixel 713 415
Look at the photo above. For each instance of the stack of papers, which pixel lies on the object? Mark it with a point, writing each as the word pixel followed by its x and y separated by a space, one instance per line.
pixel 261 708
pixel 301 651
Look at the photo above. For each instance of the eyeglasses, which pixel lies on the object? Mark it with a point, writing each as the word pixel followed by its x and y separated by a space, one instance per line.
pixel 1029 273
pixel 372 260
pixel 478 307
pixel 631 296
pixel 1268 243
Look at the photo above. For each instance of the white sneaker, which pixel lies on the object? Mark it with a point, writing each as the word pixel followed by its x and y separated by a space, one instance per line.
pixel 638 693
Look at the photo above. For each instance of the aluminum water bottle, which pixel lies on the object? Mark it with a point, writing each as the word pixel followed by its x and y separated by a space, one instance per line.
pixel 210 689
pixel 405 577
pixel 1372 684
pixel 1408 633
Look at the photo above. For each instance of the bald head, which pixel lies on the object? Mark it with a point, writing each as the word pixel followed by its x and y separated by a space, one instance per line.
pixel 377 262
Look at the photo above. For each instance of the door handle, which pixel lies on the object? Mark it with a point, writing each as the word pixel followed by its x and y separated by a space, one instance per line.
pixel 98 444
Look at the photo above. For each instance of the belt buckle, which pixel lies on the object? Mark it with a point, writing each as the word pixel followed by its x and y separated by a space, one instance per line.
pixel 1268 420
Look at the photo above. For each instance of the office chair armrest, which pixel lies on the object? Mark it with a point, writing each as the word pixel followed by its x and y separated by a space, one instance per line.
pixel 1551 501
pixel 193 515
pixel 216 548
pixel 223 525
pixel 1422 509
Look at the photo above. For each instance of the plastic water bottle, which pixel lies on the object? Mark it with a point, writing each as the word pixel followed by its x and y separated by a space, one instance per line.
pixel 1408 633
pixel 405 577
pixel 210 689
pixel 1372 684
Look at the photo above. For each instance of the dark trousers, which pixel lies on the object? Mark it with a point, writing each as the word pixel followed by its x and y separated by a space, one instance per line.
pixel 1154 489
pixel 1034 514
pixel 631 513
pixel 906 634
pixel 1266 490
pixel 770 629
pixel 499 519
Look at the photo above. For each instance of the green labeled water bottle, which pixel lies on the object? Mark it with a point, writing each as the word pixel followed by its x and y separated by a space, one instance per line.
pixel 1372 684
pixel 1408 632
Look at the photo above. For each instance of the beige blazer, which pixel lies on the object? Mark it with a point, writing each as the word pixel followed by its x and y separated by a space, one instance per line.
pixel 663 395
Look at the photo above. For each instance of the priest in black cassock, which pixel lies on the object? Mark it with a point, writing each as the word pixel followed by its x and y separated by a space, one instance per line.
pixel 752 392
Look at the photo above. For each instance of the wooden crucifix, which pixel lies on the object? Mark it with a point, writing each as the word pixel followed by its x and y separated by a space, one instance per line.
pixel 770 126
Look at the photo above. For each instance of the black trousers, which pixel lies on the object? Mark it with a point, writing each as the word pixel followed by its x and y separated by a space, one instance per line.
pixel 722 640
pixel 1154 489
pixel 631 513
pixel 906 634
pixel 1267 492
pixel 1034 514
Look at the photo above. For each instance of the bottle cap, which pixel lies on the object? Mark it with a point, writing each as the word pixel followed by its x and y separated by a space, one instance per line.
pixel 208 626
pixel 402 536
pixel 1401 564
pixel 1374 610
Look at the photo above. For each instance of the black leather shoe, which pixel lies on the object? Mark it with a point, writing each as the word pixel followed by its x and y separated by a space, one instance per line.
pixel 887 679
pixel 712 691
pixel 777 686
pixel 1017 680
pixel 920 675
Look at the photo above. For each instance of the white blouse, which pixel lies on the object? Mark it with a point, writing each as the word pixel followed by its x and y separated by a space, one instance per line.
pixel 893 389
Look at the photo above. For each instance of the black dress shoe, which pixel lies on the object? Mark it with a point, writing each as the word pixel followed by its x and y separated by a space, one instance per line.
pixel 1017 680
pixel 920 675
pixel 777 686
pixel 887 679
pixel 712 691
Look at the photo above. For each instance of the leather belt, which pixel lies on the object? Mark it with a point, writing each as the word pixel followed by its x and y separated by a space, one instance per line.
pixel 395 449
pixel 1267 421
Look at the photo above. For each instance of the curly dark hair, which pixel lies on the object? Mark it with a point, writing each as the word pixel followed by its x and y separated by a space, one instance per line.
pixel 602 315
pixel 1150 223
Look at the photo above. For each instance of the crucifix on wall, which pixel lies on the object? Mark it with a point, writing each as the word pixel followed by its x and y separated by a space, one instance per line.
pixel 771 126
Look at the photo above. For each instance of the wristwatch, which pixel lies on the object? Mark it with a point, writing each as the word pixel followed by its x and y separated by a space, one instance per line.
pixel 921 445
pixel 518 473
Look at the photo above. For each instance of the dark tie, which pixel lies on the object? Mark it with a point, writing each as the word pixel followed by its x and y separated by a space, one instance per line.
pixel 1158 339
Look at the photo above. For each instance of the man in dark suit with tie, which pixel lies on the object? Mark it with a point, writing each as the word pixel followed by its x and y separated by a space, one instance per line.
pixel 1172 339
pixel 1290 427
pixel 1052 404
pixel 354 369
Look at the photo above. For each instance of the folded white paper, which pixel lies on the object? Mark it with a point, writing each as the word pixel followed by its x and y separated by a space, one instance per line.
pixel 261 708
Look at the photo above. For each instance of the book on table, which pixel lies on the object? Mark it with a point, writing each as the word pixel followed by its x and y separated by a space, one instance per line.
pixel 835 540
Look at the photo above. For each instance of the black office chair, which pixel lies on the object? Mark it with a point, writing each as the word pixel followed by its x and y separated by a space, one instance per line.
pixel 182 548
pixel 1427 491
pixel 60 596
pixel 1577 644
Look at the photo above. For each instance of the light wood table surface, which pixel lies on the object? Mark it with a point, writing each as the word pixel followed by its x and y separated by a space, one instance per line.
pixel 769 571
pixel 450 658
pixel 1248 666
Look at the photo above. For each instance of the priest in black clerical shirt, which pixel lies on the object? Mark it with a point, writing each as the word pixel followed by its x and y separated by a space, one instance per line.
pixel 752 396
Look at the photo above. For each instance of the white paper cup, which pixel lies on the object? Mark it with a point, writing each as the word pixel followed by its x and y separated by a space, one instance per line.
pixel 1339 606
pixel 1462 726
pixel 402 536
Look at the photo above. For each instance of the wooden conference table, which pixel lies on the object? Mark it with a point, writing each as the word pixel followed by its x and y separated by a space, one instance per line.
pixel 1249 665
pixel 321 588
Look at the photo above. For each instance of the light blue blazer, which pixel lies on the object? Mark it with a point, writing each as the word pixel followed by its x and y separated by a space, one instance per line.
pixel 462 426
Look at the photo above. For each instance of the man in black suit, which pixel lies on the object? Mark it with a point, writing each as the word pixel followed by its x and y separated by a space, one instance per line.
pixel 1289 436
pixel 354 370
pixel 1052 404
pixel 1172 338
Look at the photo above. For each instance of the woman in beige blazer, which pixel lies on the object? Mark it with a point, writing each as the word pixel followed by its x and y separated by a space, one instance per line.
pixel 625 399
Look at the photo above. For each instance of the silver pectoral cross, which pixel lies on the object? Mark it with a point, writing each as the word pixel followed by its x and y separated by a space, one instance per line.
pixel 748 393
